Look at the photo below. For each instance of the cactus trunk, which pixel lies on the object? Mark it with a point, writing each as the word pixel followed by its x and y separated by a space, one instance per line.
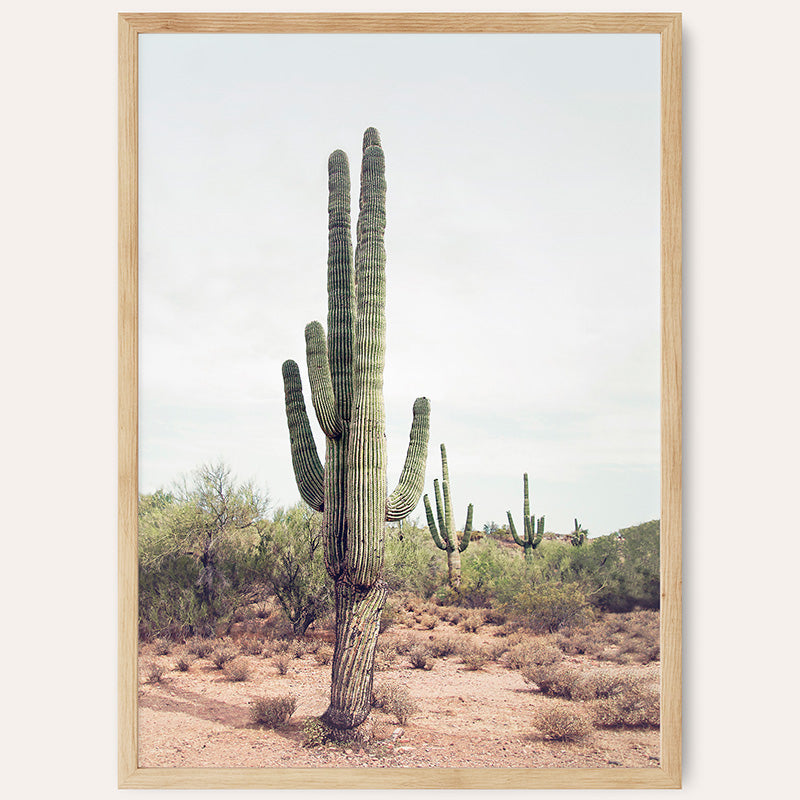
pixel 346 377
pixel 532 534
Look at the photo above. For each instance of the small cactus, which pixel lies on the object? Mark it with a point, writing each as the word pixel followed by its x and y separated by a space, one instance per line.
pixel 446 537
pixel 578 536
pixel 533 532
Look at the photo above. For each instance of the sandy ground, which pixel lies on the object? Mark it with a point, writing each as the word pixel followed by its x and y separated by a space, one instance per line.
pixel 465 718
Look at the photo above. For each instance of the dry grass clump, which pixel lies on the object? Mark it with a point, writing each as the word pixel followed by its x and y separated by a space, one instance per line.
pixel 281 662
pixel 473 656
pixel 324 655
pixel 562 722
pixel 532 653
pixel 183 663
pixel 554 680
pixel 606 683
pixel 250 646
pixel 237 670
pixel 297 648
pixel 621 638
pixel 394 698
pixel 262 611
pixel 154 672
pixel 427 621
pixel 202 648
pixel 385 655
pixel 402 643
pixel 273 712
pixel 222 655
pixel 471 621
pixel 636 706
pixel 420 657
pixel 162 647
pixel 443 645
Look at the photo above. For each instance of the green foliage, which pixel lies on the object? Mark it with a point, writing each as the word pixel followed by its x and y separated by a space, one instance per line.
pixel 193 542
pixel 289 559
pixel 411 561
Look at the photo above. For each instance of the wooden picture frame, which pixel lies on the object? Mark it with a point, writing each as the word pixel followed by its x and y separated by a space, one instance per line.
pixel 668 27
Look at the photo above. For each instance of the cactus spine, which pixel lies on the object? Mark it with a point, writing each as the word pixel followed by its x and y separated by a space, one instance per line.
pixel 533 532
pixel 346 379
pixel 448 540
pixel 578 536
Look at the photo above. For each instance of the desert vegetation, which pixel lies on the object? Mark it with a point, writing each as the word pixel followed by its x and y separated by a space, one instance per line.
pixel 566 642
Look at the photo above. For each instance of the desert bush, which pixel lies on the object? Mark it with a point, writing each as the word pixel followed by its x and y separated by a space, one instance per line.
pixel 297 649
pixel 442 645
pixel 554 680
pixel 472 656
pixel 637 705
pixel 202 648
pixel 394 698
pixel 273 712
pixel 281 662
pixel 314 732
pixel 324 655
pixel 262 611
pixel 562 722
pixel 183 663
pixel 154 672
pixel 420 657
pixel 606 683
pixel 162 647
pixel 388 616
pixel 529 653
pixel 237 670
pixel 251 647
pixel 222 655
pixel 403 643
pixel 471 621
pixel 427 621
pixel 549 607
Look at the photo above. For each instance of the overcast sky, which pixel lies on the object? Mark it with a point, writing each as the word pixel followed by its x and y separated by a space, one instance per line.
pixel 522 256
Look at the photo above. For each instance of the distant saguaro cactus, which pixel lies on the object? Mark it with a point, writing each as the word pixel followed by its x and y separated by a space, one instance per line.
pixel 533 532
pixel 346 378
pixel 448 540
pixel 578 536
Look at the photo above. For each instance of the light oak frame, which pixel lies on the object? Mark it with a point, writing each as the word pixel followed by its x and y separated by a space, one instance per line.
pixel 668 775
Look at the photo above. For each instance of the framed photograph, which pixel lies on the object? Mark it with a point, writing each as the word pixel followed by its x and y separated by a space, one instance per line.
pixel 400 401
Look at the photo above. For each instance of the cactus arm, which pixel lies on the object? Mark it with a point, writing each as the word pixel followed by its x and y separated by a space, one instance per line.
pixel 405 497
pixel 539 533
pixel 513 530
pixel 308 470
pixel 341 283
pixel 366 462
pixel 432 524
pixel 467 531
pixel 319 376
pixel 440 513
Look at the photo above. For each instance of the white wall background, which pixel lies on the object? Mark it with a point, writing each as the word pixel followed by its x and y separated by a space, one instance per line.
pixel 58 402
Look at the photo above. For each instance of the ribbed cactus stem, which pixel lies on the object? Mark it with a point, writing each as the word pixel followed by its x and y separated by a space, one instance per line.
pixel 532 535
pixel 445 536
pixel 346 378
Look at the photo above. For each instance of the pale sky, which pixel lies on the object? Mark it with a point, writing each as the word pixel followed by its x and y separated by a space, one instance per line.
pixel 522 256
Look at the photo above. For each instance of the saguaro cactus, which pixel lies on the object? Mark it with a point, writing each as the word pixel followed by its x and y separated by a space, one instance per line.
pixel 578 536
pixel 346 378
pixel 448 540
pixel 533 532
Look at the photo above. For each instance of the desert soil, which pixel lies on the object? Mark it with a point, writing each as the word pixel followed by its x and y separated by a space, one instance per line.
pixel 465 718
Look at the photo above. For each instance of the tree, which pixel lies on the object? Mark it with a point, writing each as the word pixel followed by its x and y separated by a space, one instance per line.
pixel 293 568
pixel 191 537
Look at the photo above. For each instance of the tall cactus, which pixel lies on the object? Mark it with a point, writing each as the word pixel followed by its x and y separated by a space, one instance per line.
pixel 346 378
pixel 448 540
pixel 578 536
pixel 533 532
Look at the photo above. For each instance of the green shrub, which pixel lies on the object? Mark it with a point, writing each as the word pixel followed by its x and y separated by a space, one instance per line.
pixel 314 732
pixel 550 607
